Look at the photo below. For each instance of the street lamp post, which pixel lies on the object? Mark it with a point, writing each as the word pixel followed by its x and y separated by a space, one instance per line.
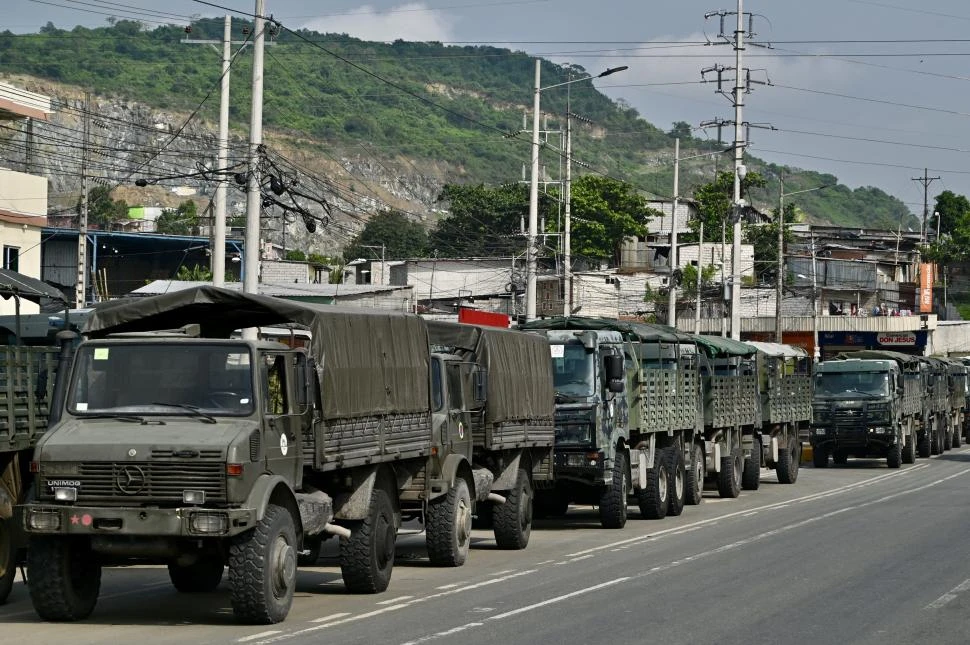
pixel 780 281
pixel 530 292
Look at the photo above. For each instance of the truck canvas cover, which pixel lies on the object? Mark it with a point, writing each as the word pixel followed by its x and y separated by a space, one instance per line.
pixel 719 347
pixel 349 345
pixel 518 365
pixel 643 332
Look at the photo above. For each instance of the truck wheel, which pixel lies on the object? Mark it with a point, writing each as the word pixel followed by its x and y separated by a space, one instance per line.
pixel 65 578
pixel 202 576
pixel 262 568
pixel 787 466
pixel 956 438
pixel 676 487
pixel 751 477
pixel 655 498
pixel 695 476
pixel 820 457
pixel 947 435
pixel 367 557
pixel 923 446
pixel 894 455
pixel 513 519
pixel 908 449
pixel 729 479
pixel 613 500
pixel 310 554
pixel 8 561
pixel 449 526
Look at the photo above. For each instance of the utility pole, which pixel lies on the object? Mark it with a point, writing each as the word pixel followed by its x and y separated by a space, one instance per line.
pixel 80 287
pixel 739 172
pixel 926 180
pixel 780 279
pixel 531 265
pixel 671 287
pixel 567 257
pixel 817 351
pixel 253 196
pixel 697 308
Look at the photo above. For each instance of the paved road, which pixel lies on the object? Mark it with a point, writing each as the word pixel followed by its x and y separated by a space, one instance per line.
pixel 856 554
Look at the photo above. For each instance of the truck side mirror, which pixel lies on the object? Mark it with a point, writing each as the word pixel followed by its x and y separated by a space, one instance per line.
pixel 480 383
pixel 613 369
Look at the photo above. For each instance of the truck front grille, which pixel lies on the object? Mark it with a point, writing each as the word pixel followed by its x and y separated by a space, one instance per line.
pixel 142 483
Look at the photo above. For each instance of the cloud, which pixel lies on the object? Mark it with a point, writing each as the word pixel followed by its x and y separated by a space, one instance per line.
pixel 412 21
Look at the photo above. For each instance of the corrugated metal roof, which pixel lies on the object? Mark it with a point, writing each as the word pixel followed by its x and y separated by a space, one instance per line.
pixel 158 287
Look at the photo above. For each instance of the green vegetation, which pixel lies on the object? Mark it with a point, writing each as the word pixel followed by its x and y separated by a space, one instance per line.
pixel 338 109
pixel 183 220
pixel 391 234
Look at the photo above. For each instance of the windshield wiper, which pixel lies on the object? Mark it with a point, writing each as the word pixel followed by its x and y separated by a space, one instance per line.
pixel 869 394
pixel 128 418
pixel 207 418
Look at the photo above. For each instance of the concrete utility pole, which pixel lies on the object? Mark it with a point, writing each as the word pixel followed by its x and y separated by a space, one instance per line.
pixel 531 265
pixel 671 287
pixel 739 172
pixel 567 257
pixel 926 180
pixel 80 287
pixel 780 279
pixel 253 196
pixel 697 308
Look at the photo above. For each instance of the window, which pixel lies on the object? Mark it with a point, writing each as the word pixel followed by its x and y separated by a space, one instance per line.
pixel 11 258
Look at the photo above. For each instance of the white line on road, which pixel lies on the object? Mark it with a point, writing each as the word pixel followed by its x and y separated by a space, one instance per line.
pixel 949 596
pixel 394 600
pixel 259 635
pixel 327 619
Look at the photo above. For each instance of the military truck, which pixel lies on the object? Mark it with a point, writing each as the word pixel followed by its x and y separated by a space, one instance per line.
pixel 26 387
pixel 957 388
pixel 869 404
pixel 627 417
pixel 179 445
pixel 935 421
pixel 785 386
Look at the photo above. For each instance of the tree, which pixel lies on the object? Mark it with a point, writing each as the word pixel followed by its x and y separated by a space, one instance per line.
pixel 715 202
pixel 196 274
pixel 604 212
pixel 484 221
pixel 688 281
pixel 682 131
pixel 400 237
pixel 953 210
pixel 764 239
pixel 183 220
pixel 102 208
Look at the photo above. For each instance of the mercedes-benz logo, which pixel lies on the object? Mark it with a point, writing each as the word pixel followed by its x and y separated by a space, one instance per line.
pixel 130 480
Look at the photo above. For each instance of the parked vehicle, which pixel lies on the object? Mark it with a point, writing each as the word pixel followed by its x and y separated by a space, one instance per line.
pixel 871 403
pixel 180 445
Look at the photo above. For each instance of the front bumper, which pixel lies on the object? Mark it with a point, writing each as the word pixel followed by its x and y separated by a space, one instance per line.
pixel 195 522
pixel 583 465
pixel 853 438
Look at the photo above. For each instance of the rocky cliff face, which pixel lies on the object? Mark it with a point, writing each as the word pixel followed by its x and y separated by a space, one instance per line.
pixel 127 141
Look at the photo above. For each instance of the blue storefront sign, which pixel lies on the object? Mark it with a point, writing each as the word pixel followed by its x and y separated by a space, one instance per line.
pixel 910 342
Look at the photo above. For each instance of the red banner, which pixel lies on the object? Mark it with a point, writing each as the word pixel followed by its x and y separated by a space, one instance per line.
pixel 486 318
pixel 927 273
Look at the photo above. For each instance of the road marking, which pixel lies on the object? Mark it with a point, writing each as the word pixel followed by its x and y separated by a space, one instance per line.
pixel 582 557
pixel 713 520
pixel 451 586
pixel 326 619
pixel 949 596
pixel 394 600
pixel 259 635
pixel 706 554
pixel 501 573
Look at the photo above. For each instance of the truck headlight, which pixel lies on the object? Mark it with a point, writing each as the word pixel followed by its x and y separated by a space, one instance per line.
pixel 39 520
pixel 209 523
pixel 193 497
pixel 65 494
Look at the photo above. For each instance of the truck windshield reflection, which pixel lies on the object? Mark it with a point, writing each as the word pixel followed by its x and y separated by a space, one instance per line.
pixel 871 383
pixel 573 372
pixel 162 378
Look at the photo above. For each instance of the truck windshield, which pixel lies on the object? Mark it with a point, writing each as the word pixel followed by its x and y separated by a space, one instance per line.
pixel 162 378
pixel 867 383
pixel 572 368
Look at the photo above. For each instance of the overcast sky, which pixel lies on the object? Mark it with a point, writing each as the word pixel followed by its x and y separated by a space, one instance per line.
pixel 872 113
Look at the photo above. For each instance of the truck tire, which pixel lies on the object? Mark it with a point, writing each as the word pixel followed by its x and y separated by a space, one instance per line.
pixel 262 568
pixel 655 498
pixel 729 479
pixel 957 439
pixel 909 450
pixel 936 441
pixel 367 557
pixel 512 521
pixel 677 486
pixel 614 498
pixel 894 455
pixel 201 576
pixel 787 466
pixel 751 476
pixel 820 457
pixel 695 476
pixel 947 434
pixel 65 578
pixel 8 560
pixel 449 526
pixel 923 446
pixel 310 554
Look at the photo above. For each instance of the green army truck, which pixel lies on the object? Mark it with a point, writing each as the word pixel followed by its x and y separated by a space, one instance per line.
pixel 26 387
pixel 785 386
pixel 869 404
pixel 627 417
pixel 957 387
pixel 179 445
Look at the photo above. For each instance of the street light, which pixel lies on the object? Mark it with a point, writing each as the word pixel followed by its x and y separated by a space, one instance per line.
pixel 530 290
pixel 779 283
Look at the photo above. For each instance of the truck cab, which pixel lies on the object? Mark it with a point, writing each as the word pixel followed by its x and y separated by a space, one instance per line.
pixel 856 411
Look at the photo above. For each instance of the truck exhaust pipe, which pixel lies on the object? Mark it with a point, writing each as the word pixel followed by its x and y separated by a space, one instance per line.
pixel 336 529
pixel 496 498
